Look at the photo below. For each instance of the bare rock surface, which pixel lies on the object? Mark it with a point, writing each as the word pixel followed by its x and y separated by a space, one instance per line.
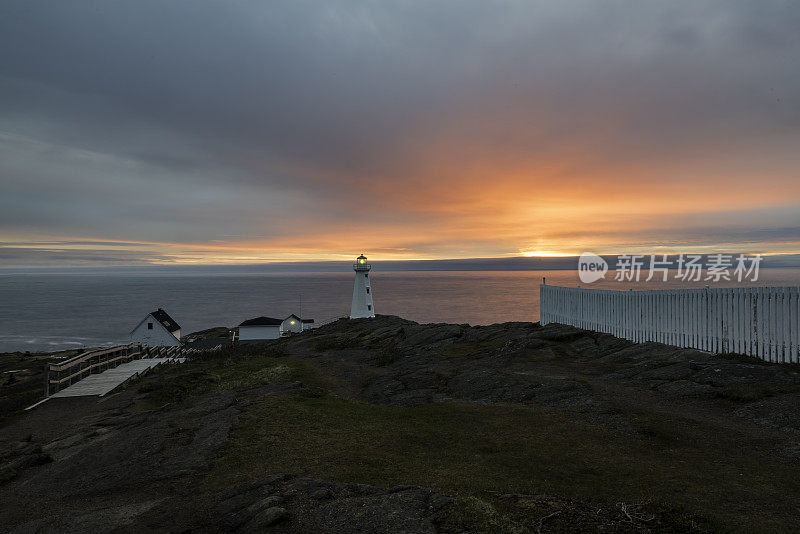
pixel 305 504
pixel 135 449
pixel 103 466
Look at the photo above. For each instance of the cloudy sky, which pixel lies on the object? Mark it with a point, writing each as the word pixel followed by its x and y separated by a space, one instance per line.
pixel 233 131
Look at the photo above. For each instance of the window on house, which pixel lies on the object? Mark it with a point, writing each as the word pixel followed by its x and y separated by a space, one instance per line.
pixel 367 290
pixel 369 307
pixel 366 276
pixel 149 326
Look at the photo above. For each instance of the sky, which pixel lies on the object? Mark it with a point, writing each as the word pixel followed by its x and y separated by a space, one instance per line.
pixel 197 131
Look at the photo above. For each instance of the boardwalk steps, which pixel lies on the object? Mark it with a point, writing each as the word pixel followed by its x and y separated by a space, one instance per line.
pixel 98 372
pixel 105 382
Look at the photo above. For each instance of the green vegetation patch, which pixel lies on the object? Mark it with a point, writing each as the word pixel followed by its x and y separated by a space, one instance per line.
pixel 525 514
pixel 483 452
pixel 461 349
pixel 328 342
pixel 22 381
pixel 221 371
pixel 754 391
pixel 471 514
pixel 564 337
pixel 387 356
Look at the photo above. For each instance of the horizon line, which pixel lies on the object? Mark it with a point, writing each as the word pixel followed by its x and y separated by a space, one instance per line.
pixel 520 263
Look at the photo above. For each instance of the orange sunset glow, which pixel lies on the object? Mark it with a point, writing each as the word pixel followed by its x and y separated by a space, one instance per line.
pixel 538 132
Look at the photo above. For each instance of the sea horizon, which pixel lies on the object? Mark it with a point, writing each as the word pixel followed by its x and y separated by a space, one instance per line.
pixel 57 311
pixel 510 263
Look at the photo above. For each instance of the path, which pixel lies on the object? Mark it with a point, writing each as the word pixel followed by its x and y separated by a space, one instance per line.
pixel 102 383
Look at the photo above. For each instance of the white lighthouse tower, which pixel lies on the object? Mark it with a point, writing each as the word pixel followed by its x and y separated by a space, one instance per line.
pixel 362 294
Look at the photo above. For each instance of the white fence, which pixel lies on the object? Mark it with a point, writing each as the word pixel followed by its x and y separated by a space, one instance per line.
pixel 757 321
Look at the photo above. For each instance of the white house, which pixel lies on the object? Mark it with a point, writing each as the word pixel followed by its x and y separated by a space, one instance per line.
pixel 291 325
pixel 259 329
pixel 157 329
pixel 294 325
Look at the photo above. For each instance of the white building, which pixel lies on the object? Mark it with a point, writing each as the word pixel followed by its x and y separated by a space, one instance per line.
pixel 260 329
pixel 294 325
pixel 291 325
pixel 362 294
pixel 157 329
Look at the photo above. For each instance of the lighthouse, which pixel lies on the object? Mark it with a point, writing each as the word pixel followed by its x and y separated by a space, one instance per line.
pixel 362 294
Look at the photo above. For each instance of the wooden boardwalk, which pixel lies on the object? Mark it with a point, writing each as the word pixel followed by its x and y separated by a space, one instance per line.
pixel 105 382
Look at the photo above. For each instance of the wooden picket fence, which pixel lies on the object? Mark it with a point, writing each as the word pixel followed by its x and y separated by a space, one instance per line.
pixel 758 321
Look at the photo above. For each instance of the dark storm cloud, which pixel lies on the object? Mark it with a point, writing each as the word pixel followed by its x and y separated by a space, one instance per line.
pixel 192 120
pixel 11 257
pixel 72 243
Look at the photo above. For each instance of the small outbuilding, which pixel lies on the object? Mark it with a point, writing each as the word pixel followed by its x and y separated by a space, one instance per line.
pixel 294 325
pixel 291 325
pixel 157 329
pixel 259 329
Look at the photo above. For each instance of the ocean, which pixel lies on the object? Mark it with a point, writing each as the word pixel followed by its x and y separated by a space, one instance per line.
pixel 49 312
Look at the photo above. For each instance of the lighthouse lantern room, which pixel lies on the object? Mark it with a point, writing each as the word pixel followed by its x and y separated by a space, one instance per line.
pixel 362 294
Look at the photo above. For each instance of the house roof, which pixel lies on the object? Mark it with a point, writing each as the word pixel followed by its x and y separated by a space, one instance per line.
pixel 166 321
pixel 306 321
pixel 262 321
pixel 161 318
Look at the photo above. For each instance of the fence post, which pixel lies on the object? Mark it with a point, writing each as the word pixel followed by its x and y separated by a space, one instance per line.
pixel 787 325
pixel 773 326
pixel 47 380
pixel 794 324
pixel 737 321
pixel 757 313
pixel 673 320
pixel 716 318
pixel 702 327
pixel 763 324
pixel 748 321
pixel 690 319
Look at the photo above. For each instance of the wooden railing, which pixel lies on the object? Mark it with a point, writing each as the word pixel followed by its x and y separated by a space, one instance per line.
pixel 162 352
pixel 57 376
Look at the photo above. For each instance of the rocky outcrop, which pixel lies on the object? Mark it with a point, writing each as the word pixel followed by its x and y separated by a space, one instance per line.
pixel 403 363
pixel 304 504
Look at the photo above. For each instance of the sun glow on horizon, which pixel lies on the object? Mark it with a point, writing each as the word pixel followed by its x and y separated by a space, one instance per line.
pixel 535 253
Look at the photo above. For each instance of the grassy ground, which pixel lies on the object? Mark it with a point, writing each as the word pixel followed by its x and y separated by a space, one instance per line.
pixel 481 452
pixel 22 381
pixel 468 349
pixel 228 370
pixel 693 474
